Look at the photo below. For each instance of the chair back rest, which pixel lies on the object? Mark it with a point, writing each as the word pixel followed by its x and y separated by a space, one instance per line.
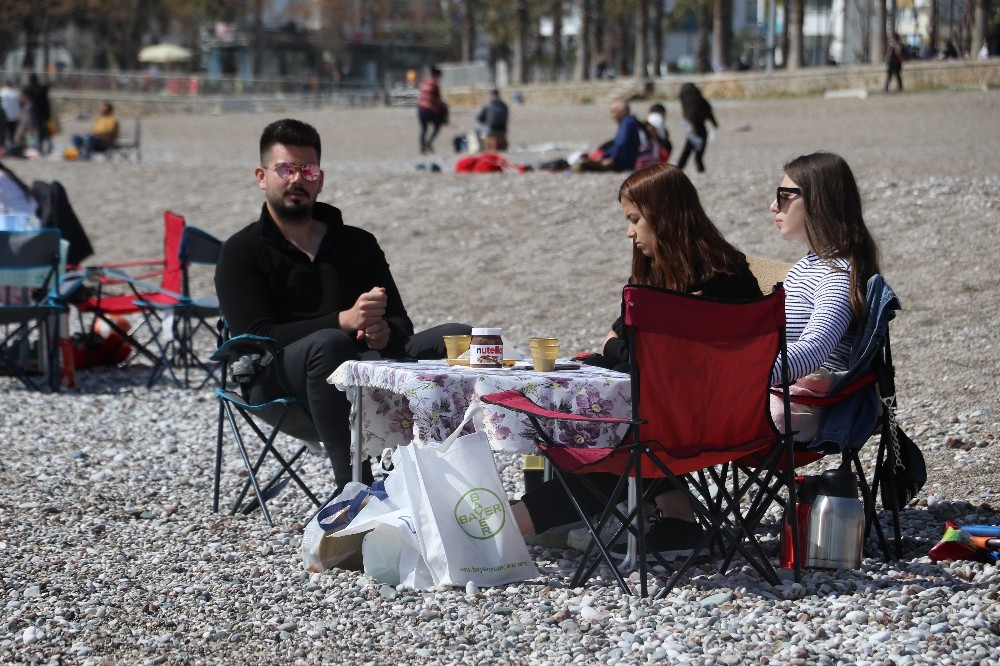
pixel 30 258
pixel 701 371
pixel 197 247
pixel 173 231
pixel 768 272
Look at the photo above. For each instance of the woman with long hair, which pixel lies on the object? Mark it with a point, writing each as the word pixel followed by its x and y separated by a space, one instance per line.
pixel 818 204
pixel 675 246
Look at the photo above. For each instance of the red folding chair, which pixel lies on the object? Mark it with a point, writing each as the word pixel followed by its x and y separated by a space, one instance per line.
pixel 124 288
pixel 700 371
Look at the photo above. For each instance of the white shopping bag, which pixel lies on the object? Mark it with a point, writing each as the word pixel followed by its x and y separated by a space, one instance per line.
pixel 385 513
pixel 464 526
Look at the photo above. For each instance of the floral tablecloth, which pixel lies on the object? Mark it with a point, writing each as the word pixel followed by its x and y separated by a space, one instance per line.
pixel 430 398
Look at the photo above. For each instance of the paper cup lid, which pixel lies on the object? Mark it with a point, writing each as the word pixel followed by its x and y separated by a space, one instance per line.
pixel 487 331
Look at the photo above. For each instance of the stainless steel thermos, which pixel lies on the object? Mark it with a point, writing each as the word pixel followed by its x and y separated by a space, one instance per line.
pixel 836 522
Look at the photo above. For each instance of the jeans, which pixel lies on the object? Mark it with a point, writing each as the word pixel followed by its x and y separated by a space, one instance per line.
pixel 87 145
pixel 302 368
pixel 428 120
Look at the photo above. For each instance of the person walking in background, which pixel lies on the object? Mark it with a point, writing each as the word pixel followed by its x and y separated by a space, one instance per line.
pixel 10 103
pixel 493 120
pixel 894 56
pixel 42 110
pixel 697 112
pixel 431 110
pixel 102 135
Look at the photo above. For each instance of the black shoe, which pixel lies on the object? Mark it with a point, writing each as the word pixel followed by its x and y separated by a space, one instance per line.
pixel 672 538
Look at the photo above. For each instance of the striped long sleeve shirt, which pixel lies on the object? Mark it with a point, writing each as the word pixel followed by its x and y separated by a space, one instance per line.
pixel 818 315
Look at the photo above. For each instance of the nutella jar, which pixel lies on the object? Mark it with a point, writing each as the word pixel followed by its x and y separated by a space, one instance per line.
pixel 486 350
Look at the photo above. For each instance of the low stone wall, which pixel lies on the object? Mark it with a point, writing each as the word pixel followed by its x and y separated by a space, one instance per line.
pixel 917 75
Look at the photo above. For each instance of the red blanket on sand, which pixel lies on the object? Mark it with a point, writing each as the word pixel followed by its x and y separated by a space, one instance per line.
pixel 487 163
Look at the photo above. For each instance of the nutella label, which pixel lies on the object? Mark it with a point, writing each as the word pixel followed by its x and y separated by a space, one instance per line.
pixel 488 355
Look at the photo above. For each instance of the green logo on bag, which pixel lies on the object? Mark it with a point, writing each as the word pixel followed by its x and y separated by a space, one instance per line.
pixel 480 513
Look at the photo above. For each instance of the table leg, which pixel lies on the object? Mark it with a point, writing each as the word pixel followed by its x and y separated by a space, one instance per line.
pixel 356 433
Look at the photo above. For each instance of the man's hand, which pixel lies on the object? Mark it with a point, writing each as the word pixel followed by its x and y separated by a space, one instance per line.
pixel 367 311
pixel 376 335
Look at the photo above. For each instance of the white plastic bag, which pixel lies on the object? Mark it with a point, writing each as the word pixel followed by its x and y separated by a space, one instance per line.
pixel 384 513
pixel 464 526
pixel 320 553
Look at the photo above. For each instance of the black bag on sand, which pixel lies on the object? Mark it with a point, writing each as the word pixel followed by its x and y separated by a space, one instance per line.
pixel 909 473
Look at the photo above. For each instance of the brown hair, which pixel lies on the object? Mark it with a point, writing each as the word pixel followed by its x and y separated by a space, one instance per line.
pixel 835 227
pixel 689 248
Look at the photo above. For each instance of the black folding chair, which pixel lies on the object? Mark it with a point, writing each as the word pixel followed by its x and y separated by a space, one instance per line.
pixel 242 357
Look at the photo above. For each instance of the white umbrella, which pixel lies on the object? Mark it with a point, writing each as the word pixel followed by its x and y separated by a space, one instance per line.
pixel 164 53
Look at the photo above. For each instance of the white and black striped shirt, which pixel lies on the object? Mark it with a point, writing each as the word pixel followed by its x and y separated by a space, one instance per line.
pixel 818 315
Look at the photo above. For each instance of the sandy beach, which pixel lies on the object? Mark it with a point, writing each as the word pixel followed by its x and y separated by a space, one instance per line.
pixel 929 168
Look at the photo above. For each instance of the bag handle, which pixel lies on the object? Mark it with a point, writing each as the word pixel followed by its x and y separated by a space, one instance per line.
pixel 472 412
pixel 354 506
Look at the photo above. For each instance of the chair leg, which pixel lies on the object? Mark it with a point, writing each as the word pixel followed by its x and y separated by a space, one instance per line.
pixel 246 461
pixel 218 458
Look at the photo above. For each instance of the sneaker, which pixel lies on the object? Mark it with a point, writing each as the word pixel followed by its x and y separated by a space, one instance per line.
pixel 579 538
pixel 554 537
pixel 672 538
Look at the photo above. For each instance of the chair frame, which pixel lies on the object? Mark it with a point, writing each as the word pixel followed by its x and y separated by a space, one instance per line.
pixel 126 150
pixel 27 250
pixel 139 296
pixel 274 413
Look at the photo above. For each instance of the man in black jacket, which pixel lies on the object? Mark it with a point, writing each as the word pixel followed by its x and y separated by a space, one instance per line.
pixel 320 288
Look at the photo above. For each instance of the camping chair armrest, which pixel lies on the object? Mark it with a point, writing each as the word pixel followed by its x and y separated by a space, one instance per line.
pixel 138 284
pixel 518 402
pixel 244 344
pixel 824 400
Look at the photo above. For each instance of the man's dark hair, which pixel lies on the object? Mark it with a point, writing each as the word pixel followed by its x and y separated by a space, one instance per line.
pixel 435 71
pixel 111 107
pixel 289 132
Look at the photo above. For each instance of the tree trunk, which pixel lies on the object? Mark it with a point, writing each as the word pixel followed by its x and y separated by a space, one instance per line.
pixel 641 34
pixel 468 30
pixel 785 20
pixel 702 63
pixel 980 27
pixel 518 75
pixel 795 45
pixel 718 35
pixel 878 34
pixel 933 37
pixel 658 16
pixel 557 51
pixel 584 53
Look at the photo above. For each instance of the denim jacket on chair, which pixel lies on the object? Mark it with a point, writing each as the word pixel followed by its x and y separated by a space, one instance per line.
pixel 849 423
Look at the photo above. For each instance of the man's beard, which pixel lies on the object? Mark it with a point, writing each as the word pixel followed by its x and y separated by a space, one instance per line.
pixel 296 212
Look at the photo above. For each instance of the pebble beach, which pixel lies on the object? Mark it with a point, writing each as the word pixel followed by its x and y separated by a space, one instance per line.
pixel 111 553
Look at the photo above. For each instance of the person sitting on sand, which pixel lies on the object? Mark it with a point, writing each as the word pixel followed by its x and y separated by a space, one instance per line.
pixel 624 149
pixel 320 288
pixel 102 135
pixel 676 246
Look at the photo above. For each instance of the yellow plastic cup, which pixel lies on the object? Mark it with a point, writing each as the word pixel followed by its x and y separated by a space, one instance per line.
pixel 456 345
pixel 543 353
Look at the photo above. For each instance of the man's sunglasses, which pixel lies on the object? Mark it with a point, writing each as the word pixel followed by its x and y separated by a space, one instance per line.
pixel 286 171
